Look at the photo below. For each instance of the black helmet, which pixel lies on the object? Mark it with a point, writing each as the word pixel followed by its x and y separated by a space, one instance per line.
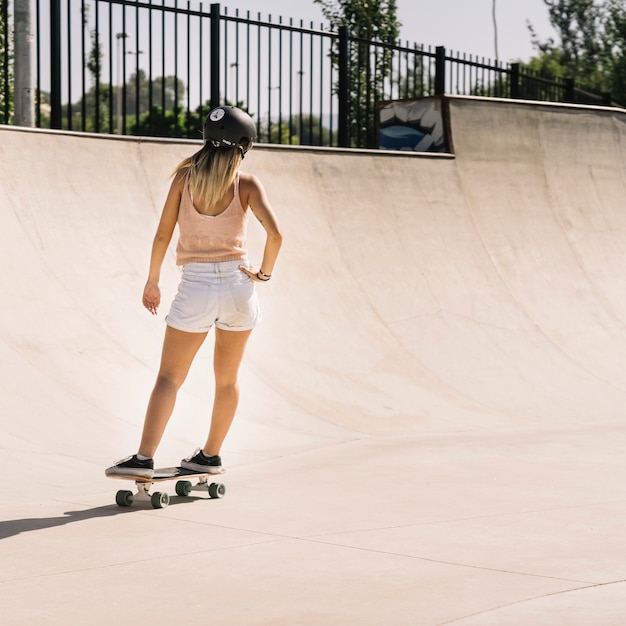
pixel 231 127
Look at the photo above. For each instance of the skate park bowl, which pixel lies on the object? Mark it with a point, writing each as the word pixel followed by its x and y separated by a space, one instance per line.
pixel 432 419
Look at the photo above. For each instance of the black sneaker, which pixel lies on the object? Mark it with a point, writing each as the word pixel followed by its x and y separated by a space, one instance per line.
pixel 132 466
pixel 200 462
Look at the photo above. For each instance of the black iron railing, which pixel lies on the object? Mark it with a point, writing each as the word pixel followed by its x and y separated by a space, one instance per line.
pixel 156 67
pixel 6 50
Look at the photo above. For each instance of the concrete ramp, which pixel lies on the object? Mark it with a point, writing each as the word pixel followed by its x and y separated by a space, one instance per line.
pixel 433 406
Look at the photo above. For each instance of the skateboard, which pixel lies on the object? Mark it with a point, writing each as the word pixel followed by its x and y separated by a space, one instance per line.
pixel 160 499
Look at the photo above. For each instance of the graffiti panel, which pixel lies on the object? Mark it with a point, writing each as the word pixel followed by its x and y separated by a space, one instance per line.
pixel 412 125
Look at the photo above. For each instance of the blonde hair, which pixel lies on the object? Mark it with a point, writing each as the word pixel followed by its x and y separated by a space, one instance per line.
pixel 211 173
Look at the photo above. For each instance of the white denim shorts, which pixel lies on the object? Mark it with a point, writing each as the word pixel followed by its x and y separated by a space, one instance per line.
pixel 214 293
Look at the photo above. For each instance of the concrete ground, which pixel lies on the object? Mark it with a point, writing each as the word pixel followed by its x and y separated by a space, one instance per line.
pixel 432 424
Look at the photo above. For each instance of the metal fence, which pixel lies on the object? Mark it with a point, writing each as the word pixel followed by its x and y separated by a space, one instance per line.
pixel 6 98
pixel 156 67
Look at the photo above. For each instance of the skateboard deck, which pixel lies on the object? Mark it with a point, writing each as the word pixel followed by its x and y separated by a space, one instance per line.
pixel 160 499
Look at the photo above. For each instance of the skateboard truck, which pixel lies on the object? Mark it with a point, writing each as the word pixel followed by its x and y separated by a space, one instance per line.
pixel 160 499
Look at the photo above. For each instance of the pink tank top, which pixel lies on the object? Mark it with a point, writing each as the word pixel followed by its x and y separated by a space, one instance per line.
pixel 211 239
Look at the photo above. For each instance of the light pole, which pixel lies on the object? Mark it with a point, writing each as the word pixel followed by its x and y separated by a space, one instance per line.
pixel 118 99
pixel 495 29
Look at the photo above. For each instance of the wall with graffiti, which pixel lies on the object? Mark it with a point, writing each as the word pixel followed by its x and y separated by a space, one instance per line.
pixel 412 125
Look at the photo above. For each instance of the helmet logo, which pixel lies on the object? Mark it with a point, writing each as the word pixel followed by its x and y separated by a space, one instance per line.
pixel 217 115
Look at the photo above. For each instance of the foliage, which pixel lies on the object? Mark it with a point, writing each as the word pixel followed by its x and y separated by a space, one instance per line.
pixel 115 107
pixel 162 123
pixel 368 22
pixel 311 132
pixel 414 80
pixel 95 104
pixel 367 19
pixel 277 132
pixel 616 36
pixel 166 91
pixel 591 46
pixel 307 130
pixel 175 122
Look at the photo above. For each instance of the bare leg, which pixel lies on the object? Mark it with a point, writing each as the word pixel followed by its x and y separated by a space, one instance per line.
pixel 230 346
pixel 179 350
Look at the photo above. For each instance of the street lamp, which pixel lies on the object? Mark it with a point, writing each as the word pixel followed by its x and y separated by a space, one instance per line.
pixel 495 29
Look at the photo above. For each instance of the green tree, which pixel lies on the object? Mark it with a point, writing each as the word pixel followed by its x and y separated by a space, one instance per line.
pixel 167 92
pixel 175 122
pixel 91 112
pixel 276 132
pixel 369 22
pixel 591 46
pixel 154 119
pixel 310 131
pixel 413 81
pixel 161 123
pixel 579 24
pixel 159 104
pixel 616 42
pixel 96 100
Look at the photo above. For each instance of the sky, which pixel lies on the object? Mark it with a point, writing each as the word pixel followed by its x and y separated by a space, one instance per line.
pixel 459 25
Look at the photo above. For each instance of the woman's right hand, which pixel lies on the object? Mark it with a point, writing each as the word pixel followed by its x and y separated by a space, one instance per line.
pixel 152 296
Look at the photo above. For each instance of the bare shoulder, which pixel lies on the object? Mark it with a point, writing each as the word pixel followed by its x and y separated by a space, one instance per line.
pixel 177 186
pixel 179 177
pixel 251 191
pixel 253 195
pixel 249 182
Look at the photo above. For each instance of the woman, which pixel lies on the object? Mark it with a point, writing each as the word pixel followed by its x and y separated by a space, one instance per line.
pixel 209 199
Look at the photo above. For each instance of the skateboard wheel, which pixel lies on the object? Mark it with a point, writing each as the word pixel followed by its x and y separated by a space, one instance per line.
pixel 159 499
pixel 124 498
pixel 183 487
pixel 217 490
